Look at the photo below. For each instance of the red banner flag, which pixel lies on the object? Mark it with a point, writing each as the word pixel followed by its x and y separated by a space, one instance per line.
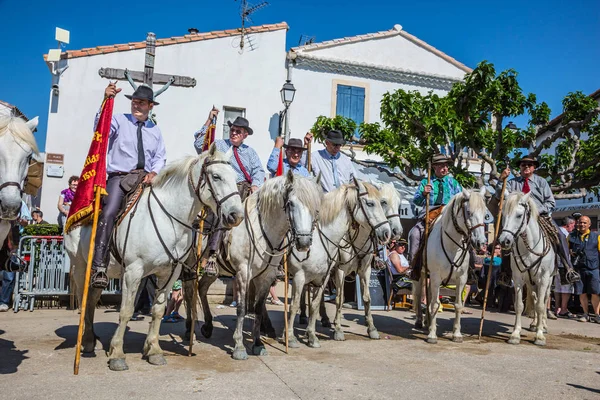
pixel 93 176
pixel 280 164
pixel 209 138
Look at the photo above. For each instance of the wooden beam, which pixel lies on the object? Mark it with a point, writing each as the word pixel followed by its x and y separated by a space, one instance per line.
pixel 138 76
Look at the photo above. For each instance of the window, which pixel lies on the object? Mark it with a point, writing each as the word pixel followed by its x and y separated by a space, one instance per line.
pixel 351 104
pixel 230 114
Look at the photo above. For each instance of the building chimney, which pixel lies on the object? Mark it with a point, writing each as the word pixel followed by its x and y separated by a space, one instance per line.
pixel 193 31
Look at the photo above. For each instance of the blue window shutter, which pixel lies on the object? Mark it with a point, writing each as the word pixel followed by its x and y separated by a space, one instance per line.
pixel 351 103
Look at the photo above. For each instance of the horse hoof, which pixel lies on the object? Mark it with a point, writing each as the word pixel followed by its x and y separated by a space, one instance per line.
pixel 259 350
pixel 314 343
pixel 431 340
pixel 513 340
pixel 292 343
pixel 240 354
pixel 339 336
pixel 206 331
pixel 457 339
pixel 117 364
pixel 540 342
pixel 419 325
pixel 157 359
pixel 532 328
pixel 303 320
pixel 326 323
pixel 374 335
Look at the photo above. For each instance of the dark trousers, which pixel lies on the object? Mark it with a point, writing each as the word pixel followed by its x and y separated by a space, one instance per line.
pixel 563 249
pixel 111 204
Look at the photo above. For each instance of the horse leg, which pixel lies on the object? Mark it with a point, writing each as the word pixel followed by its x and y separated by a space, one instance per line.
pixel 152 348
pixel 515 337
pixel 188 294
pixel 303 320
pixel 365 277
pixel 338 334
pixel 261 286
pixel 417 293
pixel 540 309
pixel 88 342
pixel 434 305
pixel 239 351
pixel 317 302
pixel 203 286
pixel 458 307
pixel 325 322
pixel 297 294
pixel 131 281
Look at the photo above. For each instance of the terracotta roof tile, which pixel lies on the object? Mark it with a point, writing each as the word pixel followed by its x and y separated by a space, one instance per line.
pixel 169 41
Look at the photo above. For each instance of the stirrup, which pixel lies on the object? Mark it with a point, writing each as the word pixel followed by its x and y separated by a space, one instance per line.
pixel 99 279
pixel 210 268
pixel 572 276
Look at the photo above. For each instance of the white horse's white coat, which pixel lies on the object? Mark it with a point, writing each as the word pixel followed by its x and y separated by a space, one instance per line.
pixel 145 254
pixel 438 266
pixel 313 267
pixel 17 144
pixel 520 215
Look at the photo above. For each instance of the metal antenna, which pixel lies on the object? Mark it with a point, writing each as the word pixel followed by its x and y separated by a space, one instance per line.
pixel 305 40
pixel 246 10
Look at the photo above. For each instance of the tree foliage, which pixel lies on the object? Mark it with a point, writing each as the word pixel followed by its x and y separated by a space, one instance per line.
pixel 471 120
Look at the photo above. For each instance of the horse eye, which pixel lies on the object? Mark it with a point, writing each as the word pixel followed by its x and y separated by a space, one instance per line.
pixel 383 203
pixel 370 203
pixel 519 215
pixel 216 177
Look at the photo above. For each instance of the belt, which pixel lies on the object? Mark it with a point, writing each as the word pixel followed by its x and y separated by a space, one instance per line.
pixel 118 173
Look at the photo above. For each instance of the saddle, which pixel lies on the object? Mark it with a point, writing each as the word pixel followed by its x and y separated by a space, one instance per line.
pixel 133 187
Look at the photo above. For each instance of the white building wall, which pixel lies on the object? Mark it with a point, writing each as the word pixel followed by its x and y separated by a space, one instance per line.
pixel 251 80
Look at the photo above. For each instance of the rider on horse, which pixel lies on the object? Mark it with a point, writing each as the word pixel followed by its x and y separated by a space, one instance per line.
pixel 245 163
pixel 529 182
pixel 441 189
pixel 136 153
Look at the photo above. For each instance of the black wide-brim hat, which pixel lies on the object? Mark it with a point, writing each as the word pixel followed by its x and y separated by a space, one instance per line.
pixel 335 137
pixel 143 92
pixel 530 159
pixel 294 144
pixel 241 122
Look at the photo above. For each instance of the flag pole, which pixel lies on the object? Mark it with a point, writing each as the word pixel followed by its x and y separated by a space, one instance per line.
pixel 308 157
pixel 489 274
pixel 426 236
pixel 86 283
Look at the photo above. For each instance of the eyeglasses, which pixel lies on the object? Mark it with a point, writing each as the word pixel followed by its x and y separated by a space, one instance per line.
pixel 525 165
pixel 236 131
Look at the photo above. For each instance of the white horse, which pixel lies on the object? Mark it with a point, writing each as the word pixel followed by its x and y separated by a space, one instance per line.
pixel 532 261
pixel 459 228
pixel 17 145
pixel 358 256
pixel 156 243
pixel 358 204
pixel 284 207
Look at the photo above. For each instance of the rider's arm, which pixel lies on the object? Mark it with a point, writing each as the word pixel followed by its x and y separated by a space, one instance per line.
pixel 419 198
pixel 273 161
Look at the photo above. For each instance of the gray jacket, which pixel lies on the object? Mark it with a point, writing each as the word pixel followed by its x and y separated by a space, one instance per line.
pixel 540 192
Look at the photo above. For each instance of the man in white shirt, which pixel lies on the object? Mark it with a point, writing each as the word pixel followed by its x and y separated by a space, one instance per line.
pixel 336 168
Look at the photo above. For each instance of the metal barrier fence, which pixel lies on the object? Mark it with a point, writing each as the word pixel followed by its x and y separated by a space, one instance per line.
pixel 46 271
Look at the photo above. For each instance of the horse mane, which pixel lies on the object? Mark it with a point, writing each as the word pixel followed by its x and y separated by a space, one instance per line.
pixel 175 174
pixel 388 191
pixel 513 200
pixel 271 194
pixel 19 130
pixel 476 203
pixel 336 200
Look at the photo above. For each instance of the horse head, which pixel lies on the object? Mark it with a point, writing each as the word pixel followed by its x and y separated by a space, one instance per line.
pixel 368 211
pixel 471 217
pixel 17 144
pixel 218 189
pixel 516 215
pixel 391 202
pixel 302 198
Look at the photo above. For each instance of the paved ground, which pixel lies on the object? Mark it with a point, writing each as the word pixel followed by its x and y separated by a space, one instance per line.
pixel 37 351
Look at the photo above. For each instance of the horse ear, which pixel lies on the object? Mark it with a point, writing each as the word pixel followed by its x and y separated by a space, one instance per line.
pixel 212 150
pixel 525 198
pixel 483 191
pixel 319 178
pixel 32 124
pixel 466 194
pixel 378 185
pixel 356 183
pixel 289 177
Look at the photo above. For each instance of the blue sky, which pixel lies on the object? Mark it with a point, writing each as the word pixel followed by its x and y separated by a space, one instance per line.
pixel 554 45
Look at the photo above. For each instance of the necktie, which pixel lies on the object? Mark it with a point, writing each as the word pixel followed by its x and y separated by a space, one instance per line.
pixel 526 188
pixel 440 194
pixel 140 147
pixel 336 179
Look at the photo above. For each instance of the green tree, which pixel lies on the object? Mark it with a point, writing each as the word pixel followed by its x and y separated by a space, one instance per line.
pixel 471 119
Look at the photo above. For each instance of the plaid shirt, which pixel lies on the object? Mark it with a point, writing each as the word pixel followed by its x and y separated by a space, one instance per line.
pixel 247 155
pixel 450 188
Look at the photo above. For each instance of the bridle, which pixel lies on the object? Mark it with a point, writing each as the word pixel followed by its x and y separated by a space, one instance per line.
pixel 203 179
pixel 465 245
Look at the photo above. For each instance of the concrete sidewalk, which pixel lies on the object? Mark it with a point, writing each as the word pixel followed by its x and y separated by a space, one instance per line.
pixel 37 352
